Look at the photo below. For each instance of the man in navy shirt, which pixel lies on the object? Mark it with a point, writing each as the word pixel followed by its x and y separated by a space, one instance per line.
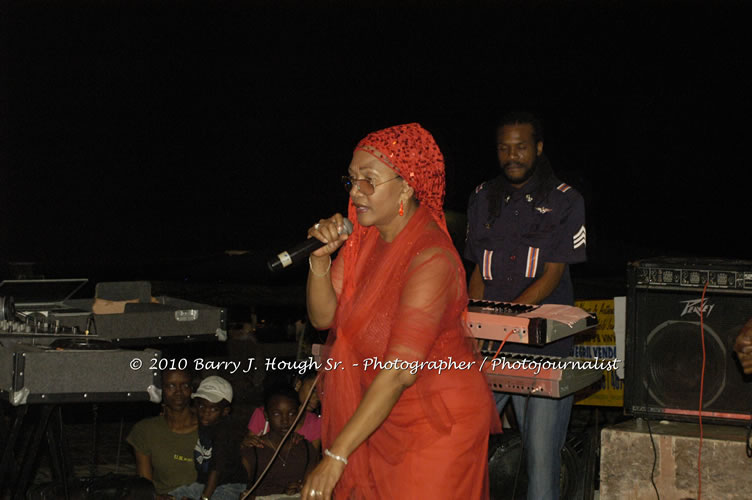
pixel 524 229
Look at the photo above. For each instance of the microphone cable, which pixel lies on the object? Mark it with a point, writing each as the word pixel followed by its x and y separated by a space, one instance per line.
pixel 702 384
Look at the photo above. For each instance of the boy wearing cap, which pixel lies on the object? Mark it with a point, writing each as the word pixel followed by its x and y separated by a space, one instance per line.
pixel 220 472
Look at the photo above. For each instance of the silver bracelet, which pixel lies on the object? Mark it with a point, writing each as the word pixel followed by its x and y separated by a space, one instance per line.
pixel 335 457
pixel 310 266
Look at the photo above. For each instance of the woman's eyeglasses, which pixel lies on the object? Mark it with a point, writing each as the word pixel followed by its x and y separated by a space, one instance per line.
pixel 364 185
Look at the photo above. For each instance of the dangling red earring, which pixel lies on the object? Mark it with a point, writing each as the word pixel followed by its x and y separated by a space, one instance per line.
pixel 402 208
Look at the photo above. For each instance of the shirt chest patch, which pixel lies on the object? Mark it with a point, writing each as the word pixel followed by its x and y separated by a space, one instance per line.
pixel 202 453
pixel 544 210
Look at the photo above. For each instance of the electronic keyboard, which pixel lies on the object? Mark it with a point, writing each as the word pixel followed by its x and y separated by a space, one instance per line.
pixel 526 324
pixel 543 376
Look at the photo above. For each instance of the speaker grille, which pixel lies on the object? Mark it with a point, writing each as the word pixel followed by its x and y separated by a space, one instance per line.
pixel 674 355
pixel 664 354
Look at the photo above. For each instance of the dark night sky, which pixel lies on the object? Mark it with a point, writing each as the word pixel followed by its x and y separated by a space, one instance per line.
pixel 142 136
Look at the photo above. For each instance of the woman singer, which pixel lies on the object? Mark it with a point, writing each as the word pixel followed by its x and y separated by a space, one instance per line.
pixel 406 414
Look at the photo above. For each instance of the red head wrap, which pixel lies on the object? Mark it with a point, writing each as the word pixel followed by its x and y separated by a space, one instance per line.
pixel 411 151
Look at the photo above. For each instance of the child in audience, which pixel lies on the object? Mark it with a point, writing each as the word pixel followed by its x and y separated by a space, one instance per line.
pixel 296 457
pixel 163 445
pixel 220 472
pixel 309 425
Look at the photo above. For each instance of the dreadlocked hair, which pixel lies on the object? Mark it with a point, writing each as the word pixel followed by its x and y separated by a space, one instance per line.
pixel 522 118
pixel 499 187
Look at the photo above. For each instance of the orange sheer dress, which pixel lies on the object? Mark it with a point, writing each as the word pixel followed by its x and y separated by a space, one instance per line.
pixel 408 305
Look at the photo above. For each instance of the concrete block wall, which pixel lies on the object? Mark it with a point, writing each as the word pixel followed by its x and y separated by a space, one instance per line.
pixel 627 461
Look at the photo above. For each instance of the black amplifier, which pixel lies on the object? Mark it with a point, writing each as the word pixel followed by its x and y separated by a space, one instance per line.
pixel 667 317
pixel 77 371
pixel 684 273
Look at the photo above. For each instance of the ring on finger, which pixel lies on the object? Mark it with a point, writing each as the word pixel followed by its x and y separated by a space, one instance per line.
pixel 316 226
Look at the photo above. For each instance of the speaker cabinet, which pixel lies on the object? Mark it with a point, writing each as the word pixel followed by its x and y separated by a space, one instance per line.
pixel 664 341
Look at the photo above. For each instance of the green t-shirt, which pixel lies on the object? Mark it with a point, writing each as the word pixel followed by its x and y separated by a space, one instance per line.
pixel 171 453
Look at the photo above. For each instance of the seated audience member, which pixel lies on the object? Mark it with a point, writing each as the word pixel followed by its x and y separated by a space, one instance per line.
pixel 164 444
pixel 220 472
pixel 295 459
pixel 309 425
pixel 743 347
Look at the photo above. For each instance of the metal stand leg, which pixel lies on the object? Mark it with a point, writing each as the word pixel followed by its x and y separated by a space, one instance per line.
pixel 93 472
pixel 61 468
pixel 8 462
pixel 43 427
pixel 32 453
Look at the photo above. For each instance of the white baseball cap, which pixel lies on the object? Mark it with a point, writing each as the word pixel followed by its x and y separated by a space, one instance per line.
pixel 214 389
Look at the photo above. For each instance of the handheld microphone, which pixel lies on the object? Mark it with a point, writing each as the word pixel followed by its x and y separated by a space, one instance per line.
pixel 302 250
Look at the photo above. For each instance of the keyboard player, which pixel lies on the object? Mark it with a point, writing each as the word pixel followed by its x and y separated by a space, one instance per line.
pixel 524 229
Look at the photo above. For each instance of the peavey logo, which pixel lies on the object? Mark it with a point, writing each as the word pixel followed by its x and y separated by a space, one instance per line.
pixel 697 307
